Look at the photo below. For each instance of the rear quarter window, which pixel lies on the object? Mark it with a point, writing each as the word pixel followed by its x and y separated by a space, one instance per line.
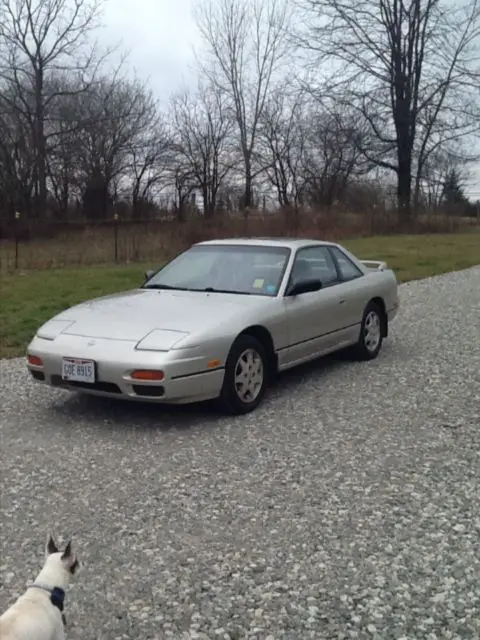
pixel 348 270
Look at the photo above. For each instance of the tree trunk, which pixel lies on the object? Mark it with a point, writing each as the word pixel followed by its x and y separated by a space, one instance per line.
pixel 207 205
pixel 65 194
pixel 40 146
pixel 404 159
pixel 404 186
pixel 247 196
pixel 135 199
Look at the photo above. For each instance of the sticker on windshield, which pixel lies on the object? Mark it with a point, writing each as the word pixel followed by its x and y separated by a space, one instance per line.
pixel 258 283
pixel 270 288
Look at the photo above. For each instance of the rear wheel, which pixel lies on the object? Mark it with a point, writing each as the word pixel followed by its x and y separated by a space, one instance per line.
pixel 371 334
pixel 245 380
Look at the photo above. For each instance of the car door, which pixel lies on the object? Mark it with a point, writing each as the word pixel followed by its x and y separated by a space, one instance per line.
pixel 355 293
pixel 313 317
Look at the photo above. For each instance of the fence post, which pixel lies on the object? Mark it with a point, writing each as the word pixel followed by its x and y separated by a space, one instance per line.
pixel 17 237
pixel 115 232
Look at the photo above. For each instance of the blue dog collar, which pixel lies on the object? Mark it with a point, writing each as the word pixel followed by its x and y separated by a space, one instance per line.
pixel 57 596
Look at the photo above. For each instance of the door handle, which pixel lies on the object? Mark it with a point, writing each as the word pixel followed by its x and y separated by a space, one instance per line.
pixel 341 302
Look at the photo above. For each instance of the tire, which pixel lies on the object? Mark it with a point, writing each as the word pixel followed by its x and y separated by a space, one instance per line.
pixel 371 334
pixel 237 398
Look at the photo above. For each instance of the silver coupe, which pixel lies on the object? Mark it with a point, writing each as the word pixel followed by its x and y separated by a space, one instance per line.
pixel 219 321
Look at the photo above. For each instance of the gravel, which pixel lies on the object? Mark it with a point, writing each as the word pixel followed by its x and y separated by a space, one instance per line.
pixel 347 506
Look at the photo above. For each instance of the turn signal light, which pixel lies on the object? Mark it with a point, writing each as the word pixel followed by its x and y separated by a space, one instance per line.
pixel 35 361
pixel 147 374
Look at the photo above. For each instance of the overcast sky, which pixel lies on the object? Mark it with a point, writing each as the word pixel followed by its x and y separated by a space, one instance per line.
pixel 160 36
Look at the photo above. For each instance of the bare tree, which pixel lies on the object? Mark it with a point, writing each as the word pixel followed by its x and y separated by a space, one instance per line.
pixel 150 151
pixel 282 144
pixel 16 159
pixel 119 116
pixel 410 66
pixel 63 131
pixel 332 155
pixel 203 130
pixel 183 182
pixel 246 42
pixel 39 38
pixel 444 163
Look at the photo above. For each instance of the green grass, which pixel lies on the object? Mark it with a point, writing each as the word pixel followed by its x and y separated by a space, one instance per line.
pixel 28 299
pixel 420 256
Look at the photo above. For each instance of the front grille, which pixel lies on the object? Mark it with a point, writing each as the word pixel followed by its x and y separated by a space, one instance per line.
pixel 105 387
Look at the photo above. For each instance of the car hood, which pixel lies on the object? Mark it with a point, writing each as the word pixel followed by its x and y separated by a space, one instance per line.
pixel 171 315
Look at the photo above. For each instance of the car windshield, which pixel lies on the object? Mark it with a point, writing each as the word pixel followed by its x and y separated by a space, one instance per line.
pixel 240 269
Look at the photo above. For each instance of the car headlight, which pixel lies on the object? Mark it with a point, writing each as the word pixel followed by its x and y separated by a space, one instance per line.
pixel 53 328
pixel 160 340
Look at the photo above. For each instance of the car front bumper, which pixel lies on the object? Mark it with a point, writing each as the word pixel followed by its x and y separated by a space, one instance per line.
pixel 187 376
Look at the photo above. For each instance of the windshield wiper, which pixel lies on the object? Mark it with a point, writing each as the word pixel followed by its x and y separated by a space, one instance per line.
pixel 165 287
pixel 170 287
pixel 214 290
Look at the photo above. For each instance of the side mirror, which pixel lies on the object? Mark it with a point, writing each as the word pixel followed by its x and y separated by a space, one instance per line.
pixel 304 286
pixel 148 274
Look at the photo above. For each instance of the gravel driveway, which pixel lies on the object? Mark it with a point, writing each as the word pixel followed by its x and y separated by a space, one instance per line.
pixel 348 506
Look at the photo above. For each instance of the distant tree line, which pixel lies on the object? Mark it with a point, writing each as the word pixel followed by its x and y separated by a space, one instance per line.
pixel 372 102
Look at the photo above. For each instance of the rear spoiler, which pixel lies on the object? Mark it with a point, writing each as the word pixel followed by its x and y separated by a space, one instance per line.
pixel 374 265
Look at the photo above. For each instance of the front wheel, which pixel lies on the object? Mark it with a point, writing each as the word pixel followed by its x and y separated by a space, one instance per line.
pixel 371 335
pixel 245 380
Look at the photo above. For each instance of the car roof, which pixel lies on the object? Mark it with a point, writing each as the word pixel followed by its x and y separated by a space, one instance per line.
pixel 290 243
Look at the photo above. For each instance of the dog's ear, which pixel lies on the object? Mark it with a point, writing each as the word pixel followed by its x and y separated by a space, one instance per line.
pixel 68 551
pixel 70 558
pixel 74 566
pixel 51 546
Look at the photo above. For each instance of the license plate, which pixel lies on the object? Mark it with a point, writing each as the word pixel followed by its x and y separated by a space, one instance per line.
pixel 78 370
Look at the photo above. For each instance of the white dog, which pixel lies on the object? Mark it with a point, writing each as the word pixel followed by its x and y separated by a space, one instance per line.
pixel 38 613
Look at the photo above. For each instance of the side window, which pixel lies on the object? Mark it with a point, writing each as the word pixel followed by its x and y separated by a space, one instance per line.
pixel 348 270
pixel 314 263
